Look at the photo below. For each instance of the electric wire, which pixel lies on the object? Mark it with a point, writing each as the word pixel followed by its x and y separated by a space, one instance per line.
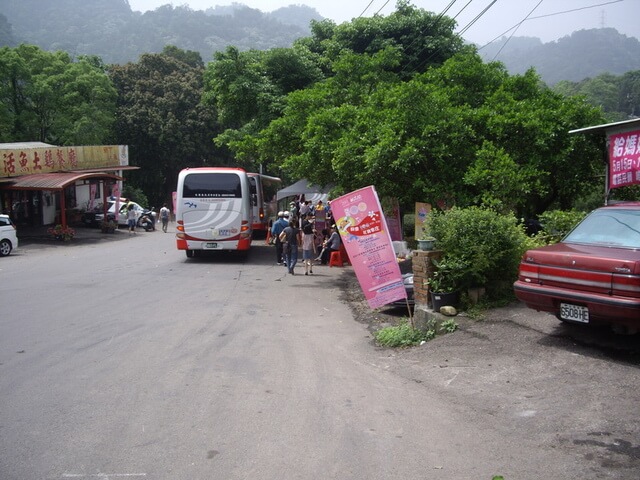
pixel 476 18
pixel 380 9
pixel 433 26
pixel 462 9
pixel 548 15
pixel 366 8
pixel 516 29
pixel 576 9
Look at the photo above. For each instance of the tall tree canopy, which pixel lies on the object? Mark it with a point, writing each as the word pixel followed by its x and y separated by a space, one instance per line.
pixel 423 38
pixel 248 89
pixel 48 97
pixel 161 118
pixel 463 133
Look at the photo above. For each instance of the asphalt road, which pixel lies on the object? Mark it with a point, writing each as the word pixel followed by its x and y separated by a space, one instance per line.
pixel 121 358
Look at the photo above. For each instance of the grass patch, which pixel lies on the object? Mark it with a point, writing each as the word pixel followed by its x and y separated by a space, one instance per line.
pixel 404 335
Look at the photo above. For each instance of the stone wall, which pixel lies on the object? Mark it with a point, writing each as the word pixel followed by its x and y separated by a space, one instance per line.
pixel 423 269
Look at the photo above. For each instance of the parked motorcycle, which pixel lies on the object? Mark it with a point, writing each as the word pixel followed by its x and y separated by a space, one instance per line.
pixel 147 220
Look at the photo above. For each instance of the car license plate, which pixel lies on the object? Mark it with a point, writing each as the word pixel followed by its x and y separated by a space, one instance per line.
pixel 575 313
pixel 211 245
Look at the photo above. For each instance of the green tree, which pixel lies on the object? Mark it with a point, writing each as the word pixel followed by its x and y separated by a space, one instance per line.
pixel 461 134
pixel 160 117
pixel 48 97
pixel 424 38
pixel 247 90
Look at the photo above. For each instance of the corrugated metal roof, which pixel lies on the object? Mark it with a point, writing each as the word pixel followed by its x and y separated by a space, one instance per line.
pixel 608 126
pixel 22 145
pixel 54 181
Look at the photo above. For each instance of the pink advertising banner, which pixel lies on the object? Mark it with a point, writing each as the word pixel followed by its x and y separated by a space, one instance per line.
pixel 366 238
pixel 624 159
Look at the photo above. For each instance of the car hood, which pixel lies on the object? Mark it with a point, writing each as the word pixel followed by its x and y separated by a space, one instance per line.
pixel 586 257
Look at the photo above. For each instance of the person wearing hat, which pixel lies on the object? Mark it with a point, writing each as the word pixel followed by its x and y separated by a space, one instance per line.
pixel 278 226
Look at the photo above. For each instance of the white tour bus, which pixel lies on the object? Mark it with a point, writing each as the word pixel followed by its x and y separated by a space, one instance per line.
pixel 263 199
pixel 213 209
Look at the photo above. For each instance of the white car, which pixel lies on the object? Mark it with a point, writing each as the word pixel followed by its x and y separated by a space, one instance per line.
pixel 8 236
pixel 122 214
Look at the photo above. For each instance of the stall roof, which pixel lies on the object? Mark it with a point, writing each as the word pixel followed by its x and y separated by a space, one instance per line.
pixel 53 181
pixel 311 192
pixel 608 126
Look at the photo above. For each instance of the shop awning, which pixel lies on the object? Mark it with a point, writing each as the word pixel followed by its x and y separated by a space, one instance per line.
pixel 54 181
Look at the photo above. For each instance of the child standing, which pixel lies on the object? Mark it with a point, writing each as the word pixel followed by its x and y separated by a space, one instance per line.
pixel 308 245
pixel 131 219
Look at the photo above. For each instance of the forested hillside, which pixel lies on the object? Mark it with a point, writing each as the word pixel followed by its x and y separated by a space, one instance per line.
pixel 618 96
pixel 583 54
pixel 112 31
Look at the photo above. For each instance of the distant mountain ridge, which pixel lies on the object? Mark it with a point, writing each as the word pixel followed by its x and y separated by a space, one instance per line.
pixel 112 31
pixel 583 54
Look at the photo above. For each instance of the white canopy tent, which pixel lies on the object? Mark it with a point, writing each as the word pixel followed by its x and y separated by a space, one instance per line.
pixel 311 192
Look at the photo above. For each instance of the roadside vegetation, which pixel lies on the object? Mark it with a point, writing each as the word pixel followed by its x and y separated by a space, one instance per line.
pixel 406 335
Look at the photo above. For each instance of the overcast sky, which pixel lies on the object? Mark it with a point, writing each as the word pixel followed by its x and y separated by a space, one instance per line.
pixel 501 18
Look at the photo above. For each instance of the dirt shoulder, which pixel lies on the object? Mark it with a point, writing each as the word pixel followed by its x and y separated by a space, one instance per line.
pixel 516 370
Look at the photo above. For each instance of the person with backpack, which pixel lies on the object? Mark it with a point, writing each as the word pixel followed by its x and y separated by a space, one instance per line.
pixel 290 238
pixel 276 229
pixel 308 243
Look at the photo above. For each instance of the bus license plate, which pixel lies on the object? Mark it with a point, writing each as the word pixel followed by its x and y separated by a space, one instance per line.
pixel 574 313
pixel 211 245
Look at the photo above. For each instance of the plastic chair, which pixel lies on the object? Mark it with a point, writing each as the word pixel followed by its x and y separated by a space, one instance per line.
pixel 339 258
pixel 335 260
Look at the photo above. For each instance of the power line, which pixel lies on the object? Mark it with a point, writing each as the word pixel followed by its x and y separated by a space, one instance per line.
pixel 516 29
pixel 380 9
pixel 366 8
pixel 462 9
pixel 477 17
pixel 576 9
pixel 547 15
pixel 482 13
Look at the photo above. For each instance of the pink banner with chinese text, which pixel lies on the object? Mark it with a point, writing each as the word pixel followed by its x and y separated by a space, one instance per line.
pixel 366 238
pixel 624 159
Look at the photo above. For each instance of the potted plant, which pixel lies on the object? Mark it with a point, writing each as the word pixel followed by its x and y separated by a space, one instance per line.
pixel 62 233
pixel 445 282
pixel 426 242
pixel 108 226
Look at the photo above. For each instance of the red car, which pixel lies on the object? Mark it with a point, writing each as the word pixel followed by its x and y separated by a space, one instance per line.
pixel 593 275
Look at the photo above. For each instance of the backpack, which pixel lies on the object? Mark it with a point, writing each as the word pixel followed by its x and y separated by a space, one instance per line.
pixel 308 229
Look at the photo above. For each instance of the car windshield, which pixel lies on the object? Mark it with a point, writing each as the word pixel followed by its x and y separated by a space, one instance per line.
pixel 609 227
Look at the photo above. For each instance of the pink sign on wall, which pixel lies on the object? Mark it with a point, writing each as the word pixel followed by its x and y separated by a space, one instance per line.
pixel 624 159
pixel 366 238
